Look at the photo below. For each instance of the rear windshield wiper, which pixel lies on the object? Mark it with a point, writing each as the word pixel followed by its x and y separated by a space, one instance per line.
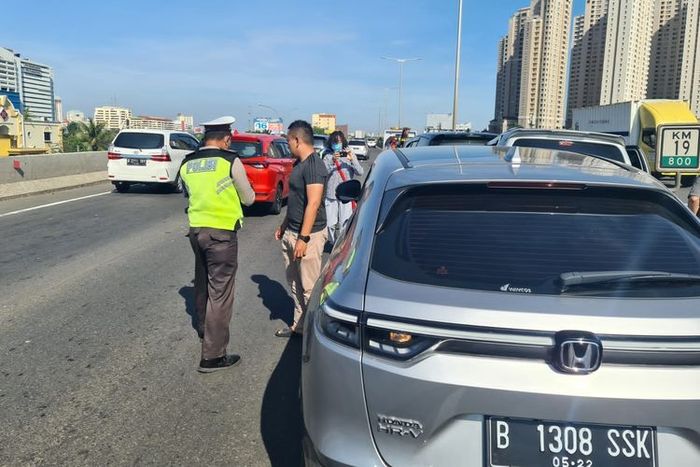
pixel 570 280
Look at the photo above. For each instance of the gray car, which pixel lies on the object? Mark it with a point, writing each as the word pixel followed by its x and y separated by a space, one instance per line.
pixel 506 306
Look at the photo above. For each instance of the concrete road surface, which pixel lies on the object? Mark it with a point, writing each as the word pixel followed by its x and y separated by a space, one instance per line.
pixel 98 350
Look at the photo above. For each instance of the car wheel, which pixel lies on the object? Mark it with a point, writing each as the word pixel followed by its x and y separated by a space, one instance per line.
pixel 177 186
pixel 121 187
pixel 276 205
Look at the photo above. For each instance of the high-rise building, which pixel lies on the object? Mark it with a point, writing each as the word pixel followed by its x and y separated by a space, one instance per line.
pixel 545 64
pixel 29 84
pixel 58 109
pixel 325 121
pixel 674 69
pixel 587 56
pixel 114 118
pixel 690 71
pixel 628 37
pixel 509 74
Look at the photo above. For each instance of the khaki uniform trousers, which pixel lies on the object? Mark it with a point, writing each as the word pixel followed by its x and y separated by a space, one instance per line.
pixel 303 274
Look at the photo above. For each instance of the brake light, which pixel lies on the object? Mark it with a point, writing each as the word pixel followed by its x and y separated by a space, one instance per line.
pixel 398 345
pixel 340 326
pixel 113 156
pixel 162 157
pixel 538 185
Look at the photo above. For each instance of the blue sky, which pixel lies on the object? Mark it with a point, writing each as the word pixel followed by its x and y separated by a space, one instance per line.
pixel 298 56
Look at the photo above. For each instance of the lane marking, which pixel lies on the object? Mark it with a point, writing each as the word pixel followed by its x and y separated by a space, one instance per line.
pixel 20 211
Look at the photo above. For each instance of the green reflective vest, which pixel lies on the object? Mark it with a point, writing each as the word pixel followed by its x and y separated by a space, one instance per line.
pixel 214 201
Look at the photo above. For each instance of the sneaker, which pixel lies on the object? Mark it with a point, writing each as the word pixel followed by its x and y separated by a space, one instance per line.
pixel 287 332
pixel 216 364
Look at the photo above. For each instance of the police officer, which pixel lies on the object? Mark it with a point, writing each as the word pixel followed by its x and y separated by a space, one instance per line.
pixel 217 184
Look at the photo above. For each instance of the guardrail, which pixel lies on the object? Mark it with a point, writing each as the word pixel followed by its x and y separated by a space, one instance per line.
pixel 37 167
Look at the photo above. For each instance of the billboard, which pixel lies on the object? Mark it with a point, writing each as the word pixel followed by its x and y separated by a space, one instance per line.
pixel 273 126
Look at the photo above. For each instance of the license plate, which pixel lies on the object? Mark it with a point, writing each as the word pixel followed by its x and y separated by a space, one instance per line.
pixel 526 443
pixel 136 162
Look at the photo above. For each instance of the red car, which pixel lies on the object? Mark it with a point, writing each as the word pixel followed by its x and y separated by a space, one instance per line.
pixel 268 163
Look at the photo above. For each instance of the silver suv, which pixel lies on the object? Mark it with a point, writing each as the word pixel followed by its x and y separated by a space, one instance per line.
pixel 603 145
pixel 501 307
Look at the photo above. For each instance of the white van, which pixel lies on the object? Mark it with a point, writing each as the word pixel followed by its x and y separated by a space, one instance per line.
pixel 148 156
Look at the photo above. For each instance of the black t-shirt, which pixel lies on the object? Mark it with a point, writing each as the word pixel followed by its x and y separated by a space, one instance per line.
pixel 309 172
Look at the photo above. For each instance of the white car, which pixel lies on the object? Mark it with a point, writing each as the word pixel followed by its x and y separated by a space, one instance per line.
pixel 372 143
pixel 359 147
pixel 148 156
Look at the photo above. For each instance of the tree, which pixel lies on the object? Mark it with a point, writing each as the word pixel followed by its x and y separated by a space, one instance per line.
pixel 319 131
pixel 97 136
pixel 78 136
pixel 26 114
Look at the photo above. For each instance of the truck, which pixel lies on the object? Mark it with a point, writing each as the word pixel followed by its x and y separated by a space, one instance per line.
pixel 640 123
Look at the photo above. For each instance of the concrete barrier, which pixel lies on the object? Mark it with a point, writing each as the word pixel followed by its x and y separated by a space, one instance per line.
pixel 43 166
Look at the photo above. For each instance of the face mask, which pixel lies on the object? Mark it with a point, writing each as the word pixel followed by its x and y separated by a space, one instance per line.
pixel 337 147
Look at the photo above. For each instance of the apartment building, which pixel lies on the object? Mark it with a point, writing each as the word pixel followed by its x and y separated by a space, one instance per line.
pixel 627 54
pixel 545 64
pixel 114 118
pixel 325 121
pixel 587 56
pixel 509 73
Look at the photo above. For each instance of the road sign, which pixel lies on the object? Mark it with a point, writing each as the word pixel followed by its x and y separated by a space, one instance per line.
pixel 678 148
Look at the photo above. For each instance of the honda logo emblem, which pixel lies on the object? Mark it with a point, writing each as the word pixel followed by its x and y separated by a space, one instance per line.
pixel 577 352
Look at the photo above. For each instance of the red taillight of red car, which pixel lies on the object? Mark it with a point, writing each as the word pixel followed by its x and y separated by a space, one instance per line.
pixel 162 157
pixel 113 156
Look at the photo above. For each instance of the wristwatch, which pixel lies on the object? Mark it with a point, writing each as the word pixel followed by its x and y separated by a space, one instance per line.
pixel 305 238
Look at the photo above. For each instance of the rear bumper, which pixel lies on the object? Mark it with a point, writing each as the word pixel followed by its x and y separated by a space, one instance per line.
pixel 152 172
pixel 335 415
pixel 450 395
pixel 264 197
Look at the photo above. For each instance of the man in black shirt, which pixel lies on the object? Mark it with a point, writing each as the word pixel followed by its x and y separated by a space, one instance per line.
pixel 303 232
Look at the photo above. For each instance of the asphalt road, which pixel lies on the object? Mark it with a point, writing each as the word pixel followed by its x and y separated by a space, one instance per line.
pixel 98 349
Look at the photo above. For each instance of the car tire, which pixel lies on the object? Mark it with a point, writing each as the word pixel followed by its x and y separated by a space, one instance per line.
pixel 121 187
pixel 276 206
pixel 177 186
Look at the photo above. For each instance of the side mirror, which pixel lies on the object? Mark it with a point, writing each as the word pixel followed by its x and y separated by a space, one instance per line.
pixel 348 191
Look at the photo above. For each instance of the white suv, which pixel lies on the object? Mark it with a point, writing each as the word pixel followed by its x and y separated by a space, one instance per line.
pixel 359 147
pixel 148 156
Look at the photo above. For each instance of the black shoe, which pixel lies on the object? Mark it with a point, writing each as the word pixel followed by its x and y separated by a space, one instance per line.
pixel 286 332
pixel 216 364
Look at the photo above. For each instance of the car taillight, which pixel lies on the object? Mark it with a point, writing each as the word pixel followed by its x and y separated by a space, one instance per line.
pixel 113 156
pixel 399 345
pixel 340 326
pixel 162 157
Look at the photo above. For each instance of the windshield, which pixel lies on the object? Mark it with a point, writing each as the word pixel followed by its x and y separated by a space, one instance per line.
pixel 139 140
pixel 522 241
pixel 246 148
pixel 608 151
pixel 356 142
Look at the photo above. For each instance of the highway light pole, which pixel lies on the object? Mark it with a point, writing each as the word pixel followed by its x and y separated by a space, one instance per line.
pixel 458 60
pixel 401 62
pixel 271 108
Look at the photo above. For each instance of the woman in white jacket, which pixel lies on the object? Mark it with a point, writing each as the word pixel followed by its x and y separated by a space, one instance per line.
pixel 342 165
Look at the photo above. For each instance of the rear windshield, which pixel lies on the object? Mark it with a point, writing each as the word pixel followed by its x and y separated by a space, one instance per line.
pixel 246 148
pixel 139 140
pixel 356 142
pixel 589 148
pixel 522 241
pixel 459 141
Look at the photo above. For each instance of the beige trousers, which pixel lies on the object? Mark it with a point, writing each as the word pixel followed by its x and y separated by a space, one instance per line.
pixel 303 274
